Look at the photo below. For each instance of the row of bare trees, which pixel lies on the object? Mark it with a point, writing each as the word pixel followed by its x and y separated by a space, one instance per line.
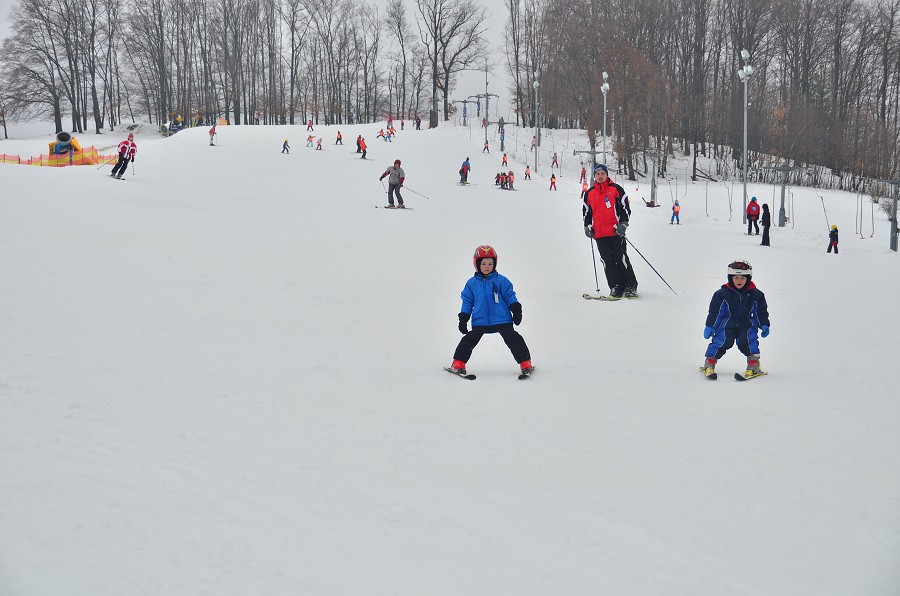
pixel 99 62
pixel 825 88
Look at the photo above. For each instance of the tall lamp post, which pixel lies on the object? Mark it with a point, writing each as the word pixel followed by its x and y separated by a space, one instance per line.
pixel 605 89
pixel 537 130
pixel 744 75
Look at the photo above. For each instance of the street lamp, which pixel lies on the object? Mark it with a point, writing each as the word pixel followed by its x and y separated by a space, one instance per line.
pixel 536 129
pixel 605 89
pixel 744 75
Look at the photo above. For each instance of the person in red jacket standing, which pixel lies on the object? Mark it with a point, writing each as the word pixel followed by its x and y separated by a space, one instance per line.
pixel 606 214
pixel 127 150
pixel 753 216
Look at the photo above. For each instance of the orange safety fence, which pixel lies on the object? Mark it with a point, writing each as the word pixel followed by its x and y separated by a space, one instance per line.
pixel 89 156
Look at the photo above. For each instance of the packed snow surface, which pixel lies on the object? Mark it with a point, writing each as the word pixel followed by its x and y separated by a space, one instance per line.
pixel 222 376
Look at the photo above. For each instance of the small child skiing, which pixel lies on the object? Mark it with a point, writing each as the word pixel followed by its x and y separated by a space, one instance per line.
pixel 487 148
pixel 552 181
pixel 309 126
pixel 362 147
pixel 488 299
pixel 497 179
pixel 737 312
pixel 554 162
pixel 340 139
pixel 503 180
pixel 212 134
pixel 833 240
pixel 309 140
pixel 676 211
pixel 510 179
pixel 285 148
pixel 583 178
pixel 504 164
pixel 527 172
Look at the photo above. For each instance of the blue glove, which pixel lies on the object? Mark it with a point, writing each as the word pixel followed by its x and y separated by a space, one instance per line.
pixel 764 331
pixel 708 332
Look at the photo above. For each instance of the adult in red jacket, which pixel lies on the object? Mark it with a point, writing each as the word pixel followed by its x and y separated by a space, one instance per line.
pixel 127 151
pixel 753 215
pixel 606 213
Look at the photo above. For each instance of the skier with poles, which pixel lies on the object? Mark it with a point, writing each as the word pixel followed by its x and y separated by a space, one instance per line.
pixel 212 134
pixel 396 176
pixel 606 213
pixel 127 151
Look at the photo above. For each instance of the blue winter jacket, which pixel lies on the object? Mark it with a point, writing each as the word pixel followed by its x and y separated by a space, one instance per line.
pixel 487 299
pixel 731 308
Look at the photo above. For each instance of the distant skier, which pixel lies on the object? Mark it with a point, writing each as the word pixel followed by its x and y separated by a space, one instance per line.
pixel 676 214
pixel 554 163
pixel 310 140
pixel 319 144
pixel 533 142
pixel 552 181
pixel 490 301
pixel 464 172
pixel 737 312
pixel 340 139
pixel 127 151
pixel 510 180
pixel 766 221
pixel 583 178
pixel 752 216
pixel 487 148
pixel 362 147
pixel 832 238
pixel 285 148
pixel 309 126
pixel 527 172
pixel 212 134
pixel 504 163
pixel 396 176
pixel 359 143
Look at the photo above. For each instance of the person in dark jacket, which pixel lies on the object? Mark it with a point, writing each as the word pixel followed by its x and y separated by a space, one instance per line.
pixel 753 216
pixel 737 313
pixel 833 240
pixel 606 213
pixel 488 299
pixel 766 222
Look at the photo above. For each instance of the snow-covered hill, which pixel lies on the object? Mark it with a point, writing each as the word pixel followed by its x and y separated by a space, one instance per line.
pixel 222 375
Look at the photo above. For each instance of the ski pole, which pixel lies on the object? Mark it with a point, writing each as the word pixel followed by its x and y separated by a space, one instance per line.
pixel 412 191
pixel 104 164
pixel 648 263
pixel 594 259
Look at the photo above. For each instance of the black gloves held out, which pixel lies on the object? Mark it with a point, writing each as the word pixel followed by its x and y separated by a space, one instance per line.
pixel 516 309
pixel 463 322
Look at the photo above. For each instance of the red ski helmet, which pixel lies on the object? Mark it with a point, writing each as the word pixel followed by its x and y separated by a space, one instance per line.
pixel 484 251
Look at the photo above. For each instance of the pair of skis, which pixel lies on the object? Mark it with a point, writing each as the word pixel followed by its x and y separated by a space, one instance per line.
pixel 737 376
pixel 607 297
pixel 525 374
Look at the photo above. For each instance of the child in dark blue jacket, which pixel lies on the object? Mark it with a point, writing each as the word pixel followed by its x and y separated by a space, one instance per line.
pixel 737 312
pixel 490 302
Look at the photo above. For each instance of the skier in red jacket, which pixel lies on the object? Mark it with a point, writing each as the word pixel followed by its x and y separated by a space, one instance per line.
pixel 127 151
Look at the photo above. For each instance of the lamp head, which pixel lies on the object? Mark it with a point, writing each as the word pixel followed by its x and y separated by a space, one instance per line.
pixel 745 55
pixel 605 75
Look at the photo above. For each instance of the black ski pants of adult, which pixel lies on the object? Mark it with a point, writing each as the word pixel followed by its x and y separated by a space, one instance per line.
pixel 514 341
pixel 120 166
pixel 765 236
pixel 752 223
pixel 394 190
pixel 616 264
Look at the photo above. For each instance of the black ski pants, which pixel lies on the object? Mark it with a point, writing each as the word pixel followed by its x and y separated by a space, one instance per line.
pixel 616 264
pixel 765 238
pixel 514 341
pixel 121 166
pixel 752 223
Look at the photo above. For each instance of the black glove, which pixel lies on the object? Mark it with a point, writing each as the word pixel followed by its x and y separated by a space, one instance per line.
pixel 620 229
pixel 463 323
pixel 516 309
pixel 589 231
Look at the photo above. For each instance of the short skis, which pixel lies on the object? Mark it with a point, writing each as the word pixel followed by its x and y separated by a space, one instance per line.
pixel 460 375
pixel 394 207
pixel 745 377
pixel 712 375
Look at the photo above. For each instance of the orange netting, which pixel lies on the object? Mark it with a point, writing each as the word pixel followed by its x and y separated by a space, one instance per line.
pixel 89 156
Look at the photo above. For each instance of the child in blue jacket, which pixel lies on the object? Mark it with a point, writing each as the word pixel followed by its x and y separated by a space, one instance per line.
pixel 738 312
pixel 490 302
